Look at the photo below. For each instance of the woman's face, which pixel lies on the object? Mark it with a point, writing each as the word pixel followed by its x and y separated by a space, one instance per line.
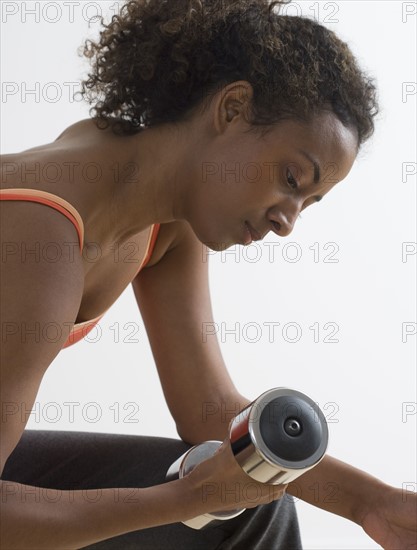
pixel 265 182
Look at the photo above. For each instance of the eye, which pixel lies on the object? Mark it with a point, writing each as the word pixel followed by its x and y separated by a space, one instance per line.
pixel 291 180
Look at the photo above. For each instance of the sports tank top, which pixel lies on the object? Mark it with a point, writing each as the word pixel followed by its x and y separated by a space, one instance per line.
pixel 79 330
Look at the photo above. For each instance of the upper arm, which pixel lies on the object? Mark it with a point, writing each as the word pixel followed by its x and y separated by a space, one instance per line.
pixel 41 289
pixel 174 300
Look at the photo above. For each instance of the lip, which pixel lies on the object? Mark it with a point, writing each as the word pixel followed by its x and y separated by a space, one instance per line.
pixel 253 233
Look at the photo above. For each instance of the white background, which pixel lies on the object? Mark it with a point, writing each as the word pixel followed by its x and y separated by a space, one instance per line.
pixel 365 380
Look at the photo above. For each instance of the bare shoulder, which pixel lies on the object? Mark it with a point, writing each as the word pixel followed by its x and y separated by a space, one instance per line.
pixel 80 128
pixel 33 163
pixel 74 167
pixel 41 288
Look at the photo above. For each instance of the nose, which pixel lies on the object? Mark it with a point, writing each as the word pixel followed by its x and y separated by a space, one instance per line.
pixel 283 220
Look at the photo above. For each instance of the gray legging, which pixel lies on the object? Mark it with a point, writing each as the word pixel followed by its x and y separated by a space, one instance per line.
pixel 85 460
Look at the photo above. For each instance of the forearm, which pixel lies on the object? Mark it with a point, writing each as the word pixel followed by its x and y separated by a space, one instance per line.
pixel 37 518
pixel 332 485
pixel 337 487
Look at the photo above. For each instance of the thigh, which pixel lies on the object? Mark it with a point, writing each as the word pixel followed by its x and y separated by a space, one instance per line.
pixel 87 460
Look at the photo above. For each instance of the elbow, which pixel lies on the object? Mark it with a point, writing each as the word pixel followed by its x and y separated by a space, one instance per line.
pixel 190 435
pixel 196 428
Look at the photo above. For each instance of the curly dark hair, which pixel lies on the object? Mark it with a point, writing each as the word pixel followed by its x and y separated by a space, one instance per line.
pixel 158 60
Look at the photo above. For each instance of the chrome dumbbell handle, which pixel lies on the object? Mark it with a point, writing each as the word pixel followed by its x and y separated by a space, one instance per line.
pixel 183 466
pixel 275 439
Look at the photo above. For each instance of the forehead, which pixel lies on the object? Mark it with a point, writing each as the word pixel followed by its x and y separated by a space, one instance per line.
pixel 323 137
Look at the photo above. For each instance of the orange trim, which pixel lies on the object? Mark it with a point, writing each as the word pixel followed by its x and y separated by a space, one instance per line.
pixel 51 200
pixel 80 331
pixel 151 246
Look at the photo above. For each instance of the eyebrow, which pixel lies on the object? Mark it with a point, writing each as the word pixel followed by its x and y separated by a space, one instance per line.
pixel 316 165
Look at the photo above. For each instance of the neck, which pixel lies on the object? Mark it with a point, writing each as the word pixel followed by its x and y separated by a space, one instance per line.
pixel 157 190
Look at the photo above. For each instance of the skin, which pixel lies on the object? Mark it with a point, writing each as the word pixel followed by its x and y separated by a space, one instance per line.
pixel 177 189
pixel 274 180
pixel 193 207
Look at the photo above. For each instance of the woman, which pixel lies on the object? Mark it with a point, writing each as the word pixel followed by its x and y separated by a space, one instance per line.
pixel 178 89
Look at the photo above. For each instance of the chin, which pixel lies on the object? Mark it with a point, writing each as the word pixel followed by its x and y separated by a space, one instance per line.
pixel 217 246
pixel 211 241
pixel 208 234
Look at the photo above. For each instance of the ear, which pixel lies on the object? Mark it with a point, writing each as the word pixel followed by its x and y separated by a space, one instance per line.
pixel 232 105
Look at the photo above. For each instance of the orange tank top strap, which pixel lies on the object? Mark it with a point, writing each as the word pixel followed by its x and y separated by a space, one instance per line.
pixel 48 199
pixel 151 245
pixel 80 331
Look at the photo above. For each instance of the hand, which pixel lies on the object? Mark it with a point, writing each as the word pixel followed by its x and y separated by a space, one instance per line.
pixel 392 520
pixel 223 485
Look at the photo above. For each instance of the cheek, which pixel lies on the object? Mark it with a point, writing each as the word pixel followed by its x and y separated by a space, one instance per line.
pixel 209 215
pixel 225 193
pixel 230 191
pixel 236 169
pixel 218 221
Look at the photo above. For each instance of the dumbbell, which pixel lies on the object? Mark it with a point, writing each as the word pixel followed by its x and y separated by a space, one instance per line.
pixel 275 439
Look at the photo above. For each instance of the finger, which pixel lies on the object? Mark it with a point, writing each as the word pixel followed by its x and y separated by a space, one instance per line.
pixel 279 491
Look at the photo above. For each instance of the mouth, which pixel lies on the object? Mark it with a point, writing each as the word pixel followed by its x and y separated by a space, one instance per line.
pixel 252 234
